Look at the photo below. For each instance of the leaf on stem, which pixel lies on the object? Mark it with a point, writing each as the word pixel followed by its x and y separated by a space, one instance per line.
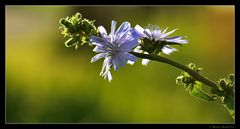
pixel 199 93
pixel 229 105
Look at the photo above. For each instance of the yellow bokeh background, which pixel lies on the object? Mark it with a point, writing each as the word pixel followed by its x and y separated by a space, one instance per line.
pixel 49 83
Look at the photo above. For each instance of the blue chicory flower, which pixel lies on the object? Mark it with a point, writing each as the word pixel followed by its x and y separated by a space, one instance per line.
pixel 114 47
pixel 154 33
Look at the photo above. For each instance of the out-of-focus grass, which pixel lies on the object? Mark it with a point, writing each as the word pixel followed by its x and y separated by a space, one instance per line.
pixel 47 82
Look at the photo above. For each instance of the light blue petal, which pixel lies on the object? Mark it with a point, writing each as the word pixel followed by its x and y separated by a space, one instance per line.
pixel 100 41
pixel 108 39
pixel 134 33
pixel 145 62
pixel 105 66
pixel 112 35
pixel 131 57
pixel 97 41
pixel 130 36
pixel 122 31
pixel 115 63
pixel 121 59
pixel 109 76
pixel 128 45
pixel 113 27
pixel 140 30
pixel 176 39
pixel 100 49
pixel 168 33
pixel 122 39
pixel 107 73
pixel 124 27
pixel 156 34
pixel 147 32
pixel 102 31
pixel 167 50
pixel 130 62
pixel 98 56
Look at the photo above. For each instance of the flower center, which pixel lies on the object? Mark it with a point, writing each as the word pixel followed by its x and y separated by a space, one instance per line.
pixel 114 50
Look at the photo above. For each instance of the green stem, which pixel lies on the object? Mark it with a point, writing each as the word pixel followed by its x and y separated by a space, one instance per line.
pixel 191 72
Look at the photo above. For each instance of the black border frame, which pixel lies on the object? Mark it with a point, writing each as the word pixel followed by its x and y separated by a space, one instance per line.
pixel 3 3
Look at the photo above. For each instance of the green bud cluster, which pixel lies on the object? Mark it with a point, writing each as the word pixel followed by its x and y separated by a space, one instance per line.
pixel 225 93
pixel 77 29
pixel 225 87
pixel 186 80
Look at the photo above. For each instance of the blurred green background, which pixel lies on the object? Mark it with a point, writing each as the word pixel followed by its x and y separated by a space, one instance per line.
pixel 49 83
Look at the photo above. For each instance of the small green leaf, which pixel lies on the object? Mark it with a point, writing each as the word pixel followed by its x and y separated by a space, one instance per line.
pixel 199 93
pixel 179 80
pixel 199 69
pixel 65 22
pixel 72 41
pixel 229 105
pixel 192 65
pixel 223 84
pixel 69 42
pixel 231 77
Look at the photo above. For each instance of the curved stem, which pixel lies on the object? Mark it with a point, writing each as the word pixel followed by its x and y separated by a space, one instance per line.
pixel 191 72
